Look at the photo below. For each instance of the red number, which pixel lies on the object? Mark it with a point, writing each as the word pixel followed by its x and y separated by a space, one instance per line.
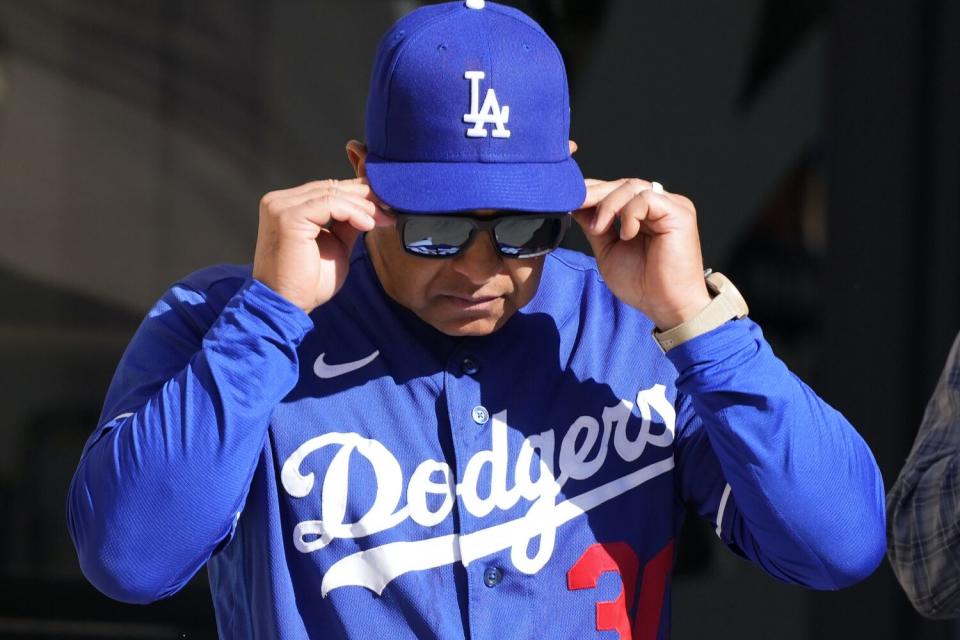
pixel 618 557
pixel 599 559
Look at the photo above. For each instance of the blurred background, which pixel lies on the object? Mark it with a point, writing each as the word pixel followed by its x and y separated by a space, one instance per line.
pixel 820 140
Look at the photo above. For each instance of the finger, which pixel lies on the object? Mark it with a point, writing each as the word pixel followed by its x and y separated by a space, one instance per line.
pixel 383 213
pixel 682 200
pixel 337 187
pixel 597 190
pixel 360 188
pixel 384 218
pixel 357 216
pixel 653 213
pixel 377 200
pixel 322 210
pixel 354 185
pixel 338 192
pixel 358 185
pixel 633 214
pixel 609 208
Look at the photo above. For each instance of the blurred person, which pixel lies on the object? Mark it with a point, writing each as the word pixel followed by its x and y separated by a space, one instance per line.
pixel 923 507
pixel 413 413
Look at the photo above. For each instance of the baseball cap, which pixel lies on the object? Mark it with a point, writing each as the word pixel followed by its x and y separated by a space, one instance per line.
pixel 469 109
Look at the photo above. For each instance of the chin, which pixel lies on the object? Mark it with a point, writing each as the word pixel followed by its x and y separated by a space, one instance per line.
pixel 474 327
pixel 476 322
pixel 461 326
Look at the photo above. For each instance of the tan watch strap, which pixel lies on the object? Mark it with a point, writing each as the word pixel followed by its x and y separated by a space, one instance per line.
pixel 727 304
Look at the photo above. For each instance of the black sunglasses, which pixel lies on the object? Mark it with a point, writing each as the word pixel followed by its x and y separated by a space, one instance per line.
pixel 515 234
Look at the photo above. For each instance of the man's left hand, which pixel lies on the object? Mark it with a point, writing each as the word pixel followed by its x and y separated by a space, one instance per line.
pixel 653 263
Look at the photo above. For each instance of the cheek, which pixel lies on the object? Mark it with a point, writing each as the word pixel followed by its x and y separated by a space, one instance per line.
pixel 417 281
pixel 406 278
pixel 525 275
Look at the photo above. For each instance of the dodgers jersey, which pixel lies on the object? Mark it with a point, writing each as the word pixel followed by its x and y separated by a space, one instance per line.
pixel 354 473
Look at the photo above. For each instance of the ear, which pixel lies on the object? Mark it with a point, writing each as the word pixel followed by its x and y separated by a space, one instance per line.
pixel 357 155
pixel 573 147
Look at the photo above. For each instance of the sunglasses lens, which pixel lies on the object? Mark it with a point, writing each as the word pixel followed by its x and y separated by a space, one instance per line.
pixel 528 235
pixel 435 236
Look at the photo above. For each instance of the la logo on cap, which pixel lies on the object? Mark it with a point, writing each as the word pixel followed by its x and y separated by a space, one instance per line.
pixel 490 113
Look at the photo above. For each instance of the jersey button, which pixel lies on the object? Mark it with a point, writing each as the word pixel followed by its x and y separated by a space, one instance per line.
pixel 469 366
pixel 480 414
pixel 492 576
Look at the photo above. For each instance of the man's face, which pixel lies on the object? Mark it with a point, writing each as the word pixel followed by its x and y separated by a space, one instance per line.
pixel 471 294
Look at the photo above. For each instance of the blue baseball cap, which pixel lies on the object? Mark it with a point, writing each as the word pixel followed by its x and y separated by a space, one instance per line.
pixel 469 109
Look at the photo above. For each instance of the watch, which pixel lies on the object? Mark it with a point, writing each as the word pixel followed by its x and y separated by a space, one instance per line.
pixel 727 304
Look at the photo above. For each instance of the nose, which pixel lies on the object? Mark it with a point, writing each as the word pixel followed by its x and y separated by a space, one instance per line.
pixel 480 261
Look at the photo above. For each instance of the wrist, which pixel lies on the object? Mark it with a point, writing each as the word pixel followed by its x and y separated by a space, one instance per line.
pixel 726 304
pixel 288 294
pixel 279 309
pixel 667 320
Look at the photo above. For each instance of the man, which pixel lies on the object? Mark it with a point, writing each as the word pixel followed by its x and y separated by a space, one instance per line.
pixel 924 518
pixel 413 418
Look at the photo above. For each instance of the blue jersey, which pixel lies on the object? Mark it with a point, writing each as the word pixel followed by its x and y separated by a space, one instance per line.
pixel 354 473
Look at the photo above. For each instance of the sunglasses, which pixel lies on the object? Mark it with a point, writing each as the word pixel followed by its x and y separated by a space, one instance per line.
pixel 515 234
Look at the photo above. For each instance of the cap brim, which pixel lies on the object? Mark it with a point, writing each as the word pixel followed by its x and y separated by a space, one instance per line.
pixel 437 187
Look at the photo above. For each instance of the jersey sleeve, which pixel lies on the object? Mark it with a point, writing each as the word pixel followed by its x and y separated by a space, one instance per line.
pixel 784 478
pixel 162 479
pixel 924 504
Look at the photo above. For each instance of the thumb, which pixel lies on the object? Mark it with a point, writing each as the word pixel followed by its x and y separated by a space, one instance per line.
pixel 600 242
pixel 346 234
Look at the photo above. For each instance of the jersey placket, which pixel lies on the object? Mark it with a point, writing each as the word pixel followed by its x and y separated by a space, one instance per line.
pixel 471 423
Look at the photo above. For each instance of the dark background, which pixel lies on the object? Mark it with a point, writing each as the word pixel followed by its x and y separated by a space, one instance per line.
pixel 820 140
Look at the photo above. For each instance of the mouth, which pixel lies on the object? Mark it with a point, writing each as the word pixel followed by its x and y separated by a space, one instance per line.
pixel 471 303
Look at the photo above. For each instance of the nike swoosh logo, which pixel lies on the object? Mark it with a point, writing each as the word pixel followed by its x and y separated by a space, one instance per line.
pixel 325 371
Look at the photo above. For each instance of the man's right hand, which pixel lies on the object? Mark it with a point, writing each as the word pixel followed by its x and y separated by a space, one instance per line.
pixel 306 236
